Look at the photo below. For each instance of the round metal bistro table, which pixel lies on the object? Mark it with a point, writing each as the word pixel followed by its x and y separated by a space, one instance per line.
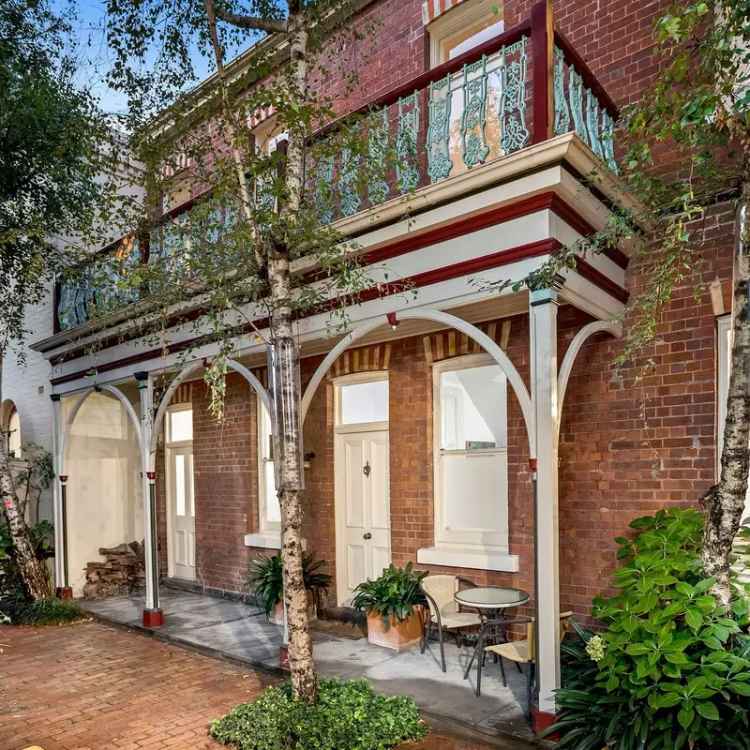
pixel 489 602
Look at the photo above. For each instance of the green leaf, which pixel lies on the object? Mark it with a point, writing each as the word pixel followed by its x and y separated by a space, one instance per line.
pixel 694 618
pixel 740 688
pixel 708 711
pixel 638 649
pixel 686 715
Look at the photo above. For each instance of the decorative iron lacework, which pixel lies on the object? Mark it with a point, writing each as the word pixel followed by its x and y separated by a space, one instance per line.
pixel 439 162
pixel 324 189
pixel 512 109
pixel 407 168
pixel 474 117
pixel 575 97
pixel 377 151
pixel 562 114
pixel 592 123
pixel 608 140
pixel 348 189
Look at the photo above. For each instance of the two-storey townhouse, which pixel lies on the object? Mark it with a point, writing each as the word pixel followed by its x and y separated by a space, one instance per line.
pixel 467 428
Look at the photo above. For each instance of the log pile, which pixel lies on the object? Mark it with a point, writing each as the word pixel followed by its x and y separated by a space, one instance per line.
pixel 121 572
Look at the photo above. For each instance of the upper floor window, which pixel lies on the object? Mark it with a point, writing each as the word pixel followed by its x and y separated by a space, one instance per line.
pixel 463 27
pixel 269 513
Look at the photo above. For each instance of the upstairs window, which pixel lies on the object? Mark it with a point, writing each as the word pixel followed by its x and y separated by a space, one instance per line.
pixel 461 27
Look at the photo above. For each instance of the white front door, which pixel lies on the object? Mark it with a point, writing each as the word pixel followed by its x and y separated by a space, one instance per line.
pixel 363 536
pixel 182 507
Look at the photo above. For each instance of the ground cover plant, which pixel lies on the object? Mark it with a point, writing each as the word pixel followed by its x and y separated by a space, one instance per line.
pixel 671 668
pixel 347 714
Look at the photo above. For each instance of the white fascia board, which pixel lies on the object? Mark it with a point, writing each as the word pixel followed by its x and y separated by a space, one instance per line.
pixel 443 295
pixel 584 295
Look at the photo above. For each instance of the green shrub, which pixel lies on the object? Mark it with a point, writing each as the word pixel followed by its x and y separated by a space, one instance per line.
pixel 346 715
pixel 46 612
pixel 394 593
pixel 671 669
pixel 265 579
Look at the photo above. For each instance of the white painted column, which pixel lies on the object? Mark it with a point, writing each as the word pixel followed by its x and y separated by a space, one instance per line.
pixel 57 468
pixel 543 335
pixel 152 614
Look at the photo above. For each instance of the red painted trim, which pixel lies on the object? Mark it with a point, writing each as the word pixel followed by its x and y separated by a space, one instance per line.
pixel 541 720
pixel 589 79
pixel 64 592
pixel 151 476
pixel 63 478
pixel 599 279
pixel 153 618
pixel 541 56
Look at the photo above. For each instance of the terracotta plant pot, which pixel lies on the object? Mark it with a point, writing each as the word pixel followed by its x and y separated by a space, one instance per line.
pixel 390 633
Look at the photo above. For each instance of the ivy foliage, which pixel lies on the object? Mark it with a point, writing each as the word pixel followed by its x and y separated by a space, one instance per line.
pixel 347 714
pixel 671 669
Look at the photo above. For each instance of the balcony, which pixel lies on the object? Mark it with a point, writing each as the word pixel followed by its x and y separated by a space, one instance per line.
pixel 514 91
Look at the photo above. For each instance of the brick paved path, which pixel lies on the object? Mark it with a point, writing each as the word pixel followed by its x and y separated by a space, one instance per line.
pixel 93 687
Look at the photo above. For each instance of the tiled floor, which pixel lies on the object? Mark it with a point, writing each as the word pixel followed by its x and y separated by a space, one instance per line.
pixel 92 686
pixel 239 631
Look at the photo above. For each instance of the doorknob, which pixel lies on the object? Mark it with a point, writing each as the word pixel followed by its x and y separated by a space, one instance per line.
pixel 366 469
pixel 368 535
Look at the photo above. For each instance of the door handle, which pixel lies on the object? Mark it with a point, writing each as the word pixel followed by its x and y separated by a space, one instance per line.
pixel 366 469
pixel 368 535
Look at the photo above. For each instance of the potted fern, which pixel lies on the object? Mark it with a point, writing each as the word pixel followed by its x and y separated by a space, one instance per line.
pixel 266 581
pixel 393 605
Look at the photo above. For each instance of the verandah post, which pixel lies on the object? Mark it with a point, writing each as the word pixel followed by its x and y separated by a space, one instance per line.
pixel 62 587
pixel 152 613
pixel 543 343
pixel 542 56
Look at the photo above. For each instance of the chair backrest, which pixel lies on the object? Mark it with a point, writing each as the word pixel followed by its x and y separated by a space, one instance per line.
pixel 442 589
pixel 565 618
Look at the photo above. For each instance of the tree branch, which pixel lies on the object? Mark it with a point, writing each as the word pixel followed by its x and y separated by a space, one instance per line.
pixel 251 22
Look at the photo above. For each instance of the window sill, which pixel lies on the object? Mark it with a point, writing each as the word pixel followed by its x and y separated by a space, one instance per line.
pixel 268 540
pixel 466 557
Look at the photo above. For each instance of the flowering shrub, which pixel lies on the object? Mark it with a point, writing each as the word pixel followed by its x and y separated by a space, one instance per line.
pixel 672 666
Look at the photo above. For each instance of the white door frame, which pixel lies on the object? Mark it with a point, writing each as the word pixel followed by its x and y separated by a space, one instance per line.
pixel 168 451
pixel 339 489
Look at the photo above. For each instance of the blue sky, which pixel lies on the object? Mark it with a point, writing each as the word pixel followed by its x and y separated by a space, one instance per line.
pixel 93 56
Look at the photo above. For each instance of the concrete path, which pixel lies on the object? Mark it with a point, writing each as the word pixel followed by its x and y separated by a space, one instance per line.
pixel 92 686
pixel 231 629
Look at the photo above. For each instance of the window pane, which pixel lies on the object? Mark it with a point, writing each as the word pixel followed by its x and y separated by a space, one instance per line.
pixel 273 512
pixel 458 46
pixel 14 438
pixel 180 425
pixel 364 402
pixel 179 484
pixel 473 408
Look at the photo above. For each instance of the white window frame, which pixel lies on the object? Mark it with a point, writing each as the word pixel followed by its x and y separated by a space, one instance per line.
pixel 169 445
pixel 454 551
pixel 470 13
pixel 268 535
pixel 723 364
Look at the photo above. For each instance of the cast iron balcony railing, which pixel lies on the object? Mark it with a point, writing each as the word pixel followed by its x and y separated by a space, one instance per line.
pixel 516 90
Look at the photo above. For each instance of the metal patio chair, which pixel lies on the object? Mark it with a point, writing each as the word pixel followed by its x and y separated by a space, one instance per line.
pixel 521 652
pixel 444 613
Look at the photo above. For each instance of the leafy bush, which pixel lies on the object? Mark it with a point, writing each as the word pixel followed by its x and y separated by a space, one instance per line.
pixel 12 590
pixel 394 593
pixel 265 579
pixel 671 669
pixel 46 612
pixel 347 714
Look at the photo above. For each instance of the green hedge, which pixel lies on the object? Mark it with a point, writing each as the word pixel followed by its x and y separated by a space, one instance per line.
pixel 45 612
pixel 347 714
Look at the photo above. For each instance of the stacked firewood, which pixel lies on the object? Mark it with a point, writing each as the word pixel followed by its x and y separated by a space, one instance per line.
pixel 121 572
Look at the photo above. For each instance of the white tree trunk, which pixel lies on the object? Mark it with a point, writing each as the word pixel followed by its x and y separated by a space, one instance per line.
pixel 725 503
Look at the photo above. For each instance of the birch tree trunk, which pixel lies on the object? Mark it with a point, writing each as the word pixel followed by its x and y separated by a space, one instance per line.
pixel 287 427
pixel 724 504
pixel 32 570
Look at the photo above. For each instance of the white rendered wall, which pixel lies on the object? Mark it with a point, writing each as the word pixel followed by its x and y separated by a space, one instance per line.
pixel 27 385
pixel 105 501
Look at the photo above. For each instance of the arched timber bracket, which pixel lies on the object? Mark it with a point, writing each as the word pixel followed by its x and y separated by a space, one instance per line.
pixel 113 391
pixel 597 326
pixel 185 373
pixel 450 321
